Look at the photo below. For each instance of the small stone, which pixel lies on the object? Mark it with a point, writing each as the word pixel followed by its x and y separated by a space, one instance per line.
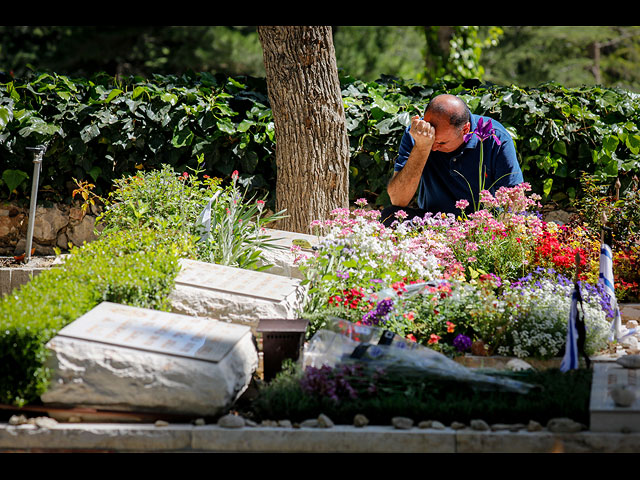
pixel 250 423
pixel 45 422
pixel 324 421
pixel 360 420
pixel 402 423
pixel 18 420
pixel 533 426
pixel 480 425
pixel 630 343
pixel 563 425
pixel 425 424
pixel 269 423
pixel 437 425
pixel 518 365
pixel 310 423
pixel 629 361
pixel 622 395
pixel 231 421
pixel 457 425
pixel 161 423
pixel 284 423
pixel 74 419
pixel 199 422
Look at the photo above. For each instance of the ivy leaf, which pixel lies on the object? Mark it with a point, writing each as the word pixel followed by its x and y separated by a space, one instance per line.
pixel 610 143
pixel 384 105
pixel 89 132
pixel 169 98
pixel 547 184
pixel 225 125
pixel 6 115
pixel 181 138
pixel 633 143
pixel 13 178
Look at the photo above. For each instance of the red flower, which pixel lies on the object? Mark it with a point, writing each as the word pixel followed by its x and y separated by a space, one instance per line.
pixel 433 339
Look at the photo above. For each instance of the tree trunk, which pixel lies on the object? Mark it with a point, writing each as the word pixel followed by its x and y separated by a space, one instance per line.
pixel 312 145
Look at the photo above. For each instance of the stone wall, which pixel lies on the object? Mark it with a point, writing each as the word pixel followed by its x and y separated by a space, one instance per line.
pixel 54 227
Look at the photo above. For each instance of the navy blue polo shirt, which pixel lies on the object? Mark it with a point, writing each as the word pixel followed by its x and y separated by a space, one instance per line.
pixel 442 183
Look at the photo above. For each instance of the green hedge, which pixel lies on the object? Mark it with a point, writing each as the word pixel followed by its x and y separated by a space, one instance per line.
pixel 101 128
pixel 131 267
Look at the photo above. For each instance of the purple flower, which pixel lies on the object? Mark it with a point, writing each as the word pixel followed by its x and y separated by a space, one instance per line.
pixel 483 131
pixel 374 317
pixel 462 343
pixel 337 383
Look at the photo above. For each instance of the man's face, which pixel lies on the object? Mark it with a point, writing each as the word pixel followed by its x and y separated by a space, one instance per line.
pixel 448 138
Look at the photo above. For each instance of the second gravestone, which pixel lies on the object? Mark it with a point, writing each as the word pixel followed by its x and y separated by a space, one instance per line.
pixel 117 357
pixel 234 294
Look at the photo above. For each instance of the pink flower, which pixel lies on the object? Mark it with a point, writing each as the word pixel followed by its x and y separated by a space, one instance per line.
pixel 260 204
pixel 462 204
pixel 234 175
pixel 401 215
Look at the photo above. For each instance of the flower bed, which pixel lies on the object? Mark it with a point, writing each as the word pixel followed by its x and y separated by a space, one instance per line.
pixel 496 281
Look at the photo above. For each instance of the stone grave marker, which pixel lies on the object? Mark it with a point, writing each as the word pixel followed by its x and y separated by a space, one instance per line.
pixel 605 414
pixel 233 294
pixel 282 259
pixel 125 358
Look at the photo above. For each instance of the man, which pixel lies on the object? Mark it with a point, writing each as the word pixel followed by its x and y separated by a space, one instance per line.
pixel 434 156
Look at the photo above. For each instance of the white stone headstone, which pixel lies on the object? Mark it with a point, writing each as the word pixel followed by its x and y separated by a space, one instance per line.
pixel 233 294
pixel 126 358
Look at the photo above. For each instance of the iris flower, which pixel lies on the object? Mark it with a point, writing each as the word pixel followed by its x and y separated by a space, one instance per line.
pixel 483 131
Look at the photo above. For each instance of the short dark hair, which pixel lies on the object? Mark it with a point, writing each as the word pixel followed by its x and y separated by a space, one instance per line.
pixel 457 117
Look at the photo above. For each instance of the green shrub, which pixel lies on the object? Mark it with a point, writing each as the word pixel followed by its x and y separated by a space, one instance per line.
pixel 130 267
pixel 102 128
pixel 227 224
pixel 160 199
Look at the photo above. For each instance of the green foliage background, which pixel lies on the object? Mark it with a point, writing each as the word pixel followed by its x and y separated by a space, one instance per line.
pixel 102 127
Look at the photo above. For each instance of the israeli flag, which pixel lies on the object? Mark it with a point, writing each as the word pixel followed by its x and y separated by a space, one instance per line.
pixel 617 331
pixel 570 359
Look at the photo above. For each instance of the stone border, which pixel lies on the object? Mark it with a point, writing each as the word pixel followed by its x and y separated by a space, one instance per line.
pixel 15 276
pixel 109 437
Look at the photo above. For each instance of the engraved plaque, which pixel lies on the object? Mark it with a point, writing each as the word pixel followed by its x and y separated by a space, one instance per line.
pixel 156 331
pixel 236 280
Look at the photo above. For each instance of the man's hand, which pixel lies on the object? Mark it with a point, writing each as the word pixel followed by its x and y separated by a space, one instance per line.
pixel 404 184
pixel 422 133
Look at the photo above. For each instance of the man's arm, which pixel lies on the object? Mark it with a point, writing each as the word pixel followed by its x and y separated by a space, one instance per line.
pixel 404 184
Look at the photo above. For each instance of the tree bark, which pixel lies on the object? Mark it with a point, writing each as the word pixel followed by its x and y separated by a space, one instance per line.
pixel 312 145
